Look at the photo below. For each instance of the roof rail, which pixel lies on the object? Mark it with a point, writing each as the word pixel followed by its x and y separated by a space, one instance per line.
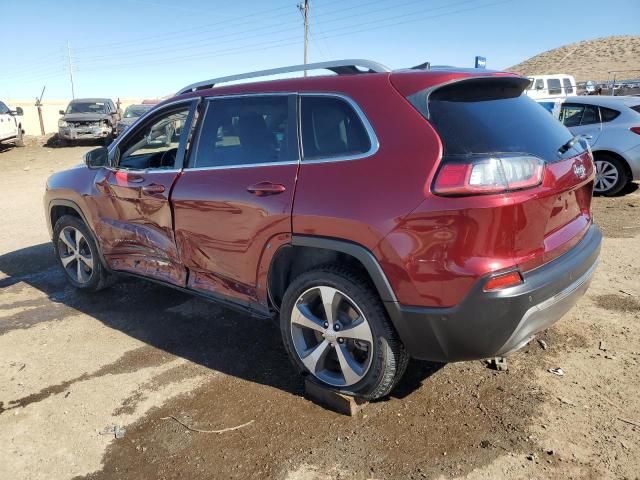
pixel 341 67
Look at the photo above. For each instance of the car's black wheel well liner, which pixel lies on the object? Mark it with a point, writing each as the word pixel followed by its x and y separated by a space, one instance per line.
pixel 307 252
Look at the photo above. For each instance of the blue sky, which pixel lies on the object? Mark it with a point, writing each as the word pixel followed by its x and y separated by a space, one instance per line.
pixel 147 48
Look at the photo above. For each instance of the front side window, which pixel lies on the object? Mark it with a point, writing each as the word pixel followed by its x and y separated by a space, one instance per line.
pixel 539 84
pixel 155 144
pixel 3 109
pixel 331 128
pixel 568 88
pixel 554 86
pixel 246 131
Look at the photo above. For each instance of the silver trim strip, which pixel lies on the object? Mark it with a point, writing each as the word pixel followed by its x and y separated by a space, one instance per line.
pixel 335 64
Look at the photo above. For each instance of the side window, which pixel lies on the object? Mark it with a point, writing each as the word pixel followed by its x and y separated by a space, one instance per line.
pixel 3 109
pixel 608 114
pixel 554 86
pixel 539 84
pixel 590 115
pixel 571 115
pixel 245 131
pixel 154 145
pixel 331 128
pixel 568 88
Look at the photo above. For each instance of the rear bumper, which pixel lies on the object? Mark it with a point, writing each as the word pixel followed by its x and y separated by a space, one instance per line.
pixel 489 324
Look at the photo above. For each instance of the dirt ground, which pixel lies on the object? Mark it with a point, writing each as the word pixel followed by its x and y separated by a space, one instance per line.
pixel 74 366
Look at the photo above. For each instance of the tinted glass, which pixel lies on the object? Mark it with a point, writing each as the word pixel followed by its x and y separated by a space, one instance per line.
pixel 554 86
pixel 568 88
pixel 609 114
pixel 155 144
pixel 635 107
pixel 491 115
pixel 3 108
pixel 570 115
pixel 244 131
pixel 590 115
pixel 331 128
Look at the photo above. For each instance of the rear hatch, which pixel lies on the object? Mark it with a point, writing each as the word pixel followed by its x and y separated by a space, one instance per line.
pixel 497 141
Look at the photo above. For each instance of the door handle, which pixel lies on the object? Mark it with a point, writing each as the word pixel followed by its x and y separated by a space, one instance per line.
pixel 266 188
pixel 153 188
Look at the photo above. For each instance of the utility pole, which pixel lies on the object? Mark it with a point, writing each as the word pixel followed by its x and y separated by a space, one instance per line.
pixel 304 9
pixel 73 94
pixel 39 105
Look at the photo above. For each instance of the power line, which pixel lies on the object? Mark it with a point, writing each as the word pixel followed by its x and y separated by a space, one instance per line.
pixel 290 41
pixel 154 52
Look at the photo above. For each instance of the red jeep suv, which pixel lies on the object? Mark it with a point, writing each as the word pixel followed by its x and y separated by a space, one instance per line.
pixel 427 213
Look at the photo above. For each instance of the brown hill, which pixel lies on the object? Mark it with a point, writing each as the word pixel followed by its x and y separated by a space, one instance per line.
pixel 587 60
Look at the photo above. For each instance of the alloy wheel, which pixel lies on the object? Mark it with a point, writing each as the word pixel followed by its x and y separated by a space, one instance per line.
pixel 606 176
pixel 75 254
pixel 331 336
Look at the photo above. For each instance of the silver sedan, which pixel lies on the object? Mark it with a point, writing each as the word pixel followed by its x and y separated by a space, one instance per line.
pixel 611 125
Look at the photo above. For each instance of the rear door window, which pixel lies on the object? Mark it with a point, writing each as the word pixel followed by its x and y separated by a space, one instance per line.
pixel 554 86
pixel 247 130
pixel 491 115
pixel 590 115
pixel 331 128
pixel 571 115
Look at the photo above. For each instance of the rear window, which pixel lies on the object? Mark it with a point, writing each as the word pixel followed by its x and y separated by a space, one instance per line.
pixel 554 86
pixel 491 115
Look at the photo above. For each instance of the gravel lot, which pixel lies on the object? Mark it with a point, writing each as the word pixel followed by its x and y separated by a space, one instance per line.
pixel 73 365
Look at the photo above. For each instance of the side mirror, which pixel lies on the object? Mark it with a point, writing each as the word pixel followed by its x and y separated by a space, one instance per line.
pixel 61 112
pixel 17 112
pixel 97 158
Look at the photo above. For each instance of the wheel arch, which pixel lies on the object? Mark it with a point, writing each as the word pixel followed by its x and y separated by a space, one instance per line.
pixel 305 252
pixel 61 207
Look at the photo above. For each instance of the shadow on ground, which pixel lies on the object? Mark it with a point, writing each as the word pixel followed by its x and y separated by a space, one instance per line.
pixel 186 326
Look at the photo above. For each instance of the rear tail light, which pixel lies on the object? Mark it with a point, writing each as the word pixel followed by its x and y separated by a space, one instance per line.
pixel 635 130
pixel 505 280
pixel 494 174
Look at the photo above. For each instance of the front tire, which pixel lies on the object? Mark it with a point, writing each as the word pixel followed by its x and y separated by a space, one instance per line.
pixel 20 137
pixel 335 328
pixel 77 254
pixel 611 175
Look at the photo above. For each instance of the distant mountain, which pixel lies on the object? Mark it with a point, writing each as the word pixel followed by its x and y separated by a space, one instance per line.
pixel 587 60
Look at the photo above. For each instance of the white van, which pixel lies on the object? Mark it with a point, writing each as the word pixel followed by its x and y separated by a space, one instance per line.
pixel 550 87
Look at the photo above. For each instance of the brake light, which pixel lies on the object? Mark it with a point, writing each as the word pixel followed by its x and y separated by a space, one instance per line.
pixel 635 130
pixel 481 175
pixel 506 280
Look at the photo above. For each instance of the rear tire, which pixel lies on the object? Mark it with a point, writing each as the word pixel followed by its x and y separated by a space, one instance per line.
pixel 352 348
pixel 611 175
pixel 78 255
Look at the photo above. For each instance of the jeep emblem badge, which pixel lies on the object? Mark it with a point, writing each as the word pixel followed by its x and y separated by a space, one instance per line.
pixel 579 170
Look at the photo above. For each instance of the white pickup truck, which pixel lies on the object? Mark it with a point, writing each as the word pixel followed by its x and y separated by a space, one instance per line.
pixel 11 130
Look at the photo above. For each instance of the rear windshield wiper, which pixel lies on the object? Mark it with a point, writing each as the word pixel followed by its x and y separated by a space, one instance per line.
pixel 564 148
